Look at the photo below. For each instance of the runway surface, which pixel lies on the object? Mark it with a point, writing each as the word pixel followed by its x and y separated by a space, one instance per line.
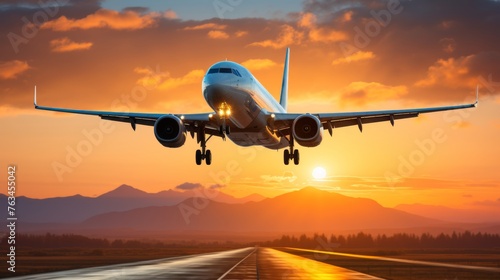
pixel 246 263
pixel 423 263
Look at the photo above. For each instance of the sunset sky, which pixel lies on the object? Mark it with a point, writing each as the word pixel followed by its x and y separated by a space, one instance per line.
pixel 147 56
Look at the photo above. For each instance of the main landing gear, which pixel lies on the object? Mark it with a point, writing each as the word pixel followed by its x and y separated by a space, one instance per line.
pixel 291 154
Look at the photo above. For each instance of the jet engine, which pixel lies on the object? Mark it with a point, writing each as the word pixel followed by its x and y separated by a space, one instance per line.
pixel 169 131
pixel 307 130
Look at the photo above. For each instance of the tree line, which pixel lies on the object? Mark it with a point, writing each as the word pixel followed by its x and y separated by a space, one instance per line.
pixel 50 240
pixel 465 240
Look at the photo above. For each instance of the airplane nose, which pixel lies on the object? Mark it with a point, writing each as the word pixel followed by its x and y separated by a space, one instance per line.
pixel 213 94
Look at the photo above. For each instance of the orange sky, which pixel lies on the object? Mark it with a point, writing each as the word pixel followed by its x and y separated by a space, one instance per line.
pixel 89 57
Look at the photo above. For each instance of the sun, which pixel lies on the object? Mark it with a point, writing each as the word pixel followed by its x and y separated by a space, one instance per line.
pixel 319 173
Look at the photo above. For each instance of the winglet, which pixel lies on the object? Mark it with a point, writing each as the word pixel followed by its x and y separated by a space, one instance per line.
pixel 284 84
pixel 477 96
pixel 34 101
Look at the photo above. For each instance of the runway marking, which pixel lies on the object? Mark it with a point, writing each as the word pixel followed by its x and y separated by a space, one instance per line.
pixel 448 265
pixel 234 266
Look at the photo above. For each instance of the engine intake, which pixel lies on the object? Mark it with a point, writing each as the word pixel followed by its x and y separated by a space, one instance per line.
pixel 307 131
pixel 169 131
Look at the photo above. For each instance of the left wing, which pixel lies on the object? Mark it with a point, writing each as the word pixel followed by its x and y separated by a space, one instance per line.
pixel 283 121
pixel 191 121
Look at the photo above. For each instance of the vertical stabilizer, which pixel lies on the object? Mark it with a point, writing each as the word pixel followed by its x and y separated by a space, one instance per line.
pixel 284 84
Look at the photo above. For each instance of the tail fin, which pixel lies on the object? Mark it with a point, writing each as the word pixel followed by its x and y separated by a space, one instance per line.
pixel 284 83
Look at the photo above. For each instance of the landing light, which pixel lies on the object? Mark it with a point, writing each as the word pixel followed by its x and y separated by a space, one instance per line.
pixel 221 112
pixel 210 116
pixel 228 112
pixel 273 116
pixel 182 117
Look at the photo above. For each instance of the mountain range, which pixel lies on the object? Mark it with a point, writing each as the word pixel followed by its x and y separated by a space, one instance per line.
pixel 471 215
pixel 307 209
pixel 77 208
pixel 210 212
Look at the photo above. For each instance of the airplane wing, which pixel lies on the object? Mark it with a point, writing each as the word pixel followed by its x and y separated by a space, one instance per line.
pixel 191 121
pixel 284 121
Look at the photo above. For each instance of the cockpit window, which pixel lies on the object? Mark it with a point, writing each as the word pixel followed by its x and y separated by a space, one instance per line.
pixel 224 70
pixel 236 72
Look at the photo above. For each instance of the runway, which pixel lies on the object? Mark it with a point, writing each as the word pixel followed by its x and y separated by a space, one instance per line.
pixel 422 263
pixel 246 263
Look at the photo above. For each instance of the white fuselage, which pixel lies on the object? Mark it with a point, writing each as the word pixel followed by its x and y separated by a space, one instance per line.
pixel 230 86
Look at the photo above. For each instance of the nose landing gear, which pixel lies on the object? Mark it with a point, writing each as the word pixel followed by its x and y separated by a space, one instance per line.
pixel 203 154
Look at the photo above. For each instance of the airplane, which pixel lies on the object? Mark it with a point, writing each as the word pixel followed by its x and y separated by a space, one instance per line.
pixel 247 114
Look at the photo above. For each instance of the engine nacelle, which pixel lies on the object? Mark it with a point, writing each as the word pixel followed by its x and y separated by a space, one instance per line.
pixel 169 131
pixel 307 130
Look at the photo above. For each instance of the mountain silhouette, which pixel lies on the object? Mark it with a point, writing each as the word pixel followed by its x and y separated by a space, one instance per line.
pixel 126 191
pixel 305 210
pixel 477 215
pixel 77 208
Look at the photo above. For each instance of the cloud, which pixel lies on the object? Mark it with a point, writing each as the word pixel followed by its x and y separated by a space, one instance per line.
pixel 192 77
pixel 456 72
pixel 319 34
pixel 448 45
pixel 210 25
pixel 286 177
pixel 103 18
pixel 449 72
pixel 307 30
pixel 12 69
pixel 189 186
pixel 258 64
pixel 241 33
pixel 66 45
pixel 357 56
pixel 347 16
pixel 360 93
pixel 163 80
pixel 464 71
pixel 308 20
pixel 169 14
pixel 286 37
pixel 217 34
pixel 217 186
pixel 447 24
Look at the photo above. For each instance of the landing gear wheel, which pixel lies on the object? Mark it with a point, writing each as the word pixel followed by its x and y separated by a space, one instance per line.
pixel 203 154
pixel 296 157
pixel 198 157
pixel 286 157
pixel 208 157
